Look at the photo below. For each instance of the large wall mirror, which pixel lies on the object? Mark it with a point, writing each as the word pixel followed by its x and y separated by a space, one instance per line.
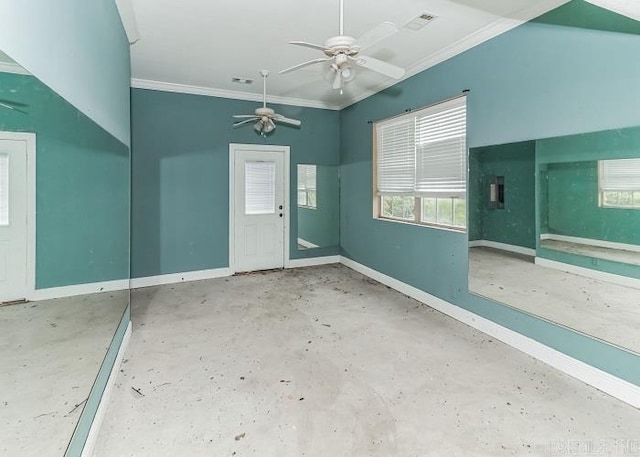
pixel 554 230
pixel 318 204
pixel 64 229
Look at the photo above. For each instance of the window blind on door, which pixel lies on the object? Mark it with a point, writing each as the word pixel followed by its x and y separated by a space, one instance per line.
pixel 260 187
pixel 619 175
pixel 423 153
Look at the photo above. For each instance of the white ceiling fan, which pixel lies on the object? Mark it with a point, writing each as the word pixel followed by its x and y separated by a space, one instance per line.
pixel 266 117
pixel 344 51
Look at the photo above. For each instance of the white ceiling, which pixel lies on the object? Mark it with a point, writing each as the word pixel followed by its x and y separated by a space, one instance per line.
pixel 199 45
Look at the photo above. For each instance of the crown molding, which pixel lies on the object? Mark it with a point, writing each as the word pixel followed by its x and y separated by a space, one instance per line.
pixel 492 30
pixel 223 93
pixel 8 67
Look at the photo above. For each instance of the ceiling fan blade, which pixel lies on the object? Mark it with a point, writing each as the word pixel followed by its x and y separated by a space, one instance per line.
pixel 304 44
pixel 376 34
pixel 245 116
pixel 286 120
pixel 13 108
pixel 12 103
pixel 238 124
pixel 305 64
pixel 337 81
pixel 379 66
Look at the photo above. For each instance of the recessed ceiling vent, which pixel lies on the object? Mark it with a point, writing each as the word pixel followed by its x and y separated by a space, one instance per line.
pixel 240 80
pixel 419 21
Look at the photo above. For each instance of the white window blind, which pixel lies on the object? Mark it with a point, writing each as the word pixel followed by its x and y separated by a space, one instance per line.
pixel 423 153
pixel 4 189
pixel 260 187
pixel 306 177
pixel 619 175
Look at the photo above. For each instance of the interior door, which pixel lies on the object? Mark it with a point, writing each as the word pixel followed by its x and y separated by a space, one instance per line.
pixel 259 199
pixel 13 219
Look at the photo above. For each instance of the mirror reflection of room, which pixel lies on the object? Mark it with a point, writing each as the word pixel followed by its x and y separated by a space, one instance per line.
pixel 64 205
pixel 318 202
pixel 553 230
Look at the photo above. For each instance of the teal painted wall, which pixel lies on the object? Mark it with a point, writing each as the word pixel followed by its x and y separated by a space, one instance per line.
pixel 321 225
pixel 79 49
pixel 537 81
pixel 573 207
pixel 516 223
pixel 180 175
pixel 82 187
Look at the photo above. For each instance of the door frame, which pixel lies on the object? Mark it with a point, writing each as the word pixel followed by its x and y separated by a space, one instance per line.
pixel 233 149
pixel 29 139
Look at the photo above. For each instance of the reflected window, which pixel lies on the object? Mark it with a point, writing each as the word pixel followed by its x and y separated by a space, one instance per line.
pixel 619 183
pixel 260 187
pixel 307 190
pixel 421 166
pixel 4 189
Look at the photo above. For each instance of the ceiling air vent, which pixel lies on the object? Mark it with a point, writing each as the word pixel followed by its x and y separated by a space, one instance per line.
pixel 240 80
pixel 419 21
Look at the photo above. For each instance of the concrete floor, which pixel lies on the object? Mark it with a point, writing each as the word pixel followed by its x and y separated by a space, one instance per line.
pixel 323 361
pixel 51 352
pixel 607 311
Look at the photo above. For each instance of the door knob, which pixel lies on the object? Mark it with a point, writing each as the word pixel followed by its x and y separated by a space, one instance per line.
pixel 280 207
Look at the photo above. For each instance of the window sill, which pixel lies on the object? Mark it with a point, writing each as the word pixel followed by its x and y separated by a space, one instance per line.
pixel 423 224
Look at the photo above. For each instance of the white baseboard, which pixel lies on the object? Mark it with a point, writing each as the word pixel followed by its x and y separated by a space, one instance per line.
pixel 614 386
pixel 79 289
pixel 87 450
pixel 589 273
pixel 503 247
pixel 173 278
pixel 307 244
pixel 313 261
pixel 591 242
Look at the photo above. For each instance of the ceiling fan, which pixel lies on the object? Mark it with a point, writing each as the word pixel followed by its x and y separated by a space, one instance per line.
pixel 344 51
pixel 9 104
pixel 266 117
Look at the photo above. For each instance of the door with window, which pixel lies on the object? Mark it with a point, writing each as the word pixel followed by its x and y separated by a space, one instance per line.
pixel 259 208
pixel 13 219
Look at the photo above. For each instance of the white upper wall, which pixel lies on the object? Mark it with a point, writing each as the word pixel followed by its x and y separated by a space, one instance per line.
pixel 79 49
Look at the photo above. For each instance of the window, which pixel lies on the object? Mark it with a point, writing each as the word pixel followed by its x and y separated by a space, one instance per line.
pixel 4 189
pixel 619 183
pixel 420 166
pixel 307 186
pixel 260 187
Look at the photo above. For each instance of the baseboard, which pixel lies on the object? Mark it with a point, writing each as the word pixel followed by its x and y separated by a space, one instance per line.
pixel 589 273
pixel 87 450
pixel 591 242
pixel 79 289
pixel 307 244
pixel 612 385
pixel 173 278
pixel 313 261
pixel 502 246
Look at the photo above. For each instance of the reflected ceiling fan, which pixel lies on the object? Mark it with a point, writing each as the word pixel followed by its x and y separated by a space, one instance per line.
pixel 265 118
pixel 344 52
pixel 15 106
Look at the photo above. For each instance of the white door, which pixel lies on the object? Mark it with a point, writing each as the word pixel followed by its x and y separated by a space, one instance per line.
pixel 13 219
pixel 259 208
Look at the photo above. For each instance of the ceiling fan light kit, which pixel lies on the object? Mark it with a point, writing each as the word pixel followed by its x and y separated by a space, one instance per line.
pixel 344 52
pixel 265 118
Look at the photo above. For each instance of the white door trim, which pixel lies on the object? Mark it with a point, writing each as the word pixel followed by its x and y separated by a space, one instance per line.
pixel 30 142
pixel 233 148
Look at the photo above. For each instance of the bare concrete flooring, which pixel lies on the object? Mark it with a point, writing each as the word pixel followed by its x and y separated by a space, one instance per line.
pixel 50 353
pixel 607 311
pixel 325 362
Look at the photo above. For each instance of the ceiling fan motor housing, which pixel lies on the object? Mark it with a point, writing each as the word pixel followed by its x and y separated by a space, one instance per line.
pixel 264 111
pixel 342 44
